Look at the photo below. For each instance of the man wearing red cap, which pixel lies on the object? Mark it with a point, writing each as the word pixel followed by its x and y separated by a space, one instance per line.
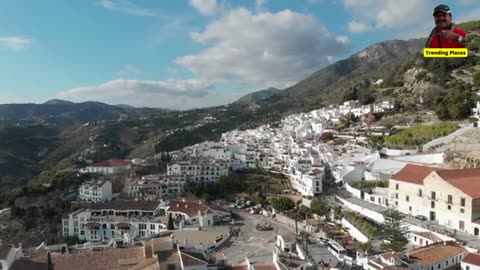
pixel 445 34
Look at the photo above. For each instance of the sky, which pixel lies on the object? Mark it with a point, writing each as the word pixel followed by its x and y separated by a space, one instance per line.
pixel 182 54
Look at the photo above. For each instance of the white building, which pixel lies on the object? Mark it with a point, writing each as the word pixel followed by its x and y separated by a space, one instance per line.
pixel 308 183
pixel 197 213
pixel 111 166
pixel 120 220
pixel 438 256
pixel 155 187
pixel 471 262
pixel 95 191
pixel 448 197
pixel 199 170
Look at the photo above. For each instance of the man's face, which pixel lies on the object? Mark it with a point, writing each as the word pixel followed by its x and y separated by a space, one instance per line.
pixel 442 20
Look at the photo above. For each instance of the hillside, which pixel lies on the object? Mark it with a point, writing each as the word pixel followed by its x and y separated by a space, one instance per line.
pixel 65 113
pixel 258 95
pixel 413 83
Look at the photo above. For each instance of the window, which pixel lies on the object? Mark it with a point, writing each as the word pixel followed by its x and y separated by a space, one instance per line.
pixel 410 208
pixel 432 204
pixel 407 198
pixel 462 210
pixel 450 199
pixel 171 267
pixel 420 193
pixel 396 195
pixel 396 186
pixel 396 203
pixel 449 207
pixel 468 268
pixel 152 227
pixel 433 197
pixel 446 263
pixel 439 266
pixel 462 201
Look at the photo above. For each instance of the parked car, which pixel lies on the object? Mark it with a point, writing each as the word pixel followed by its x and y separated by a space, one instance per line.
pixel 420 217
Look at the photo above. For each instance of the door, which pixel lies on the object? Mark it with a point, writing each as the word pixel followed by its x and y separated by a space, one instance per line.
pixel 432 216
pixel 461 225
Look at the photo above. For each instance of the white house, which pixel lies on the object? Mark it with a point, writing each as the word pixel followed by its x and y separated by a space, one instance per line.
pixel 119 219
pixel 197 212
pixel 95 191
pixel 438 256
pixel 447 197
pixel 471 262
pixel 110 166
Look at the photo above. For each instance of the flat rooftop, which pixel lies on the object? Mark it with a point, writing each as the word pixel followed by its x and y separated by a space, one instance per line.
pixel 205 236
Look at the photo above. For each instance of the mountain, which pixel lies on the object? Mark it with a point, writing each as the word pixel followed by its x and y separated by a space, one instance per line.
pixel 323 86
pixel 258 95
pixel 409 79
pixel 65 113
pixel 57 102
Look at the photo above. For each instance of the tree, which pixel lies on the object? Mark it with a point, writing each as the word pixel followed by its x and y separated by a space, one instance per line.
pixel 319 207
pixel 476 78
pixel 170 222
pixel 282 204
pixel 394 230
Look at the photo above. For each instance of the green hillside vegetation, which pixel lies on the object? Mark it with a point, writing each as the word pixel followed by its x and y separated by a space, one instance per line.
pixel 417 135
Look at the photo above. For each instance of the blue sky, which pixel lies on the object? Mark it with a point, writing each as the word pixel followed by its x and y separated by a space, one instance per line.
pixel 189 53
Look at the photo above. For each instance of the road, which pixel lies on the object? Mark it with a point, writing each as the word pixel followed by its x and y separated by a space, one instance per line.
pixel 256 245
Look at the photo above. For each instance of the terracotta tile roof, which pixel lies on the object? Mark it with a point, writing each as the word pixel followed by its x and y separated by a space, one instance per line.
pixel 95 260
pixel 150 264
pixel 435 253
pixel 168 256
pixel 112 163
pixel 190 259
pixel 264 266
pixel 126 205
pixel 467 180
pixel 4 250
pixel 191 208
pixel 414 174
pixel 472 258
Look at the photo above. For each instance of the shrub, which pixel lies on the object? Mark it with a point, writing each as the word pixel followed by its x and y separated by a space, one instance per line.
pixel 420 134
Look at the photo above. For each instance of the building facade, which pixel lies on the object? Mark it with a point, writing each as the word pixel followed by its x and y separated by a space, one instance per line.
pixel 448 197
pixel 118 220
pixel 95 191
pixel 111 166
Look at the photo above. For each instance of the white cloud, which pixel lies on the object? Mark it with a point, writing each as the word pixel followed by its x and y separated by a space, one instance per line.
pixel 358 27
pixel 126 7
pixel 386 14
pixel 15 43
pixel 268 49
pixel 259 5
pixel 171 93
pixel 205 7
pixel 129 70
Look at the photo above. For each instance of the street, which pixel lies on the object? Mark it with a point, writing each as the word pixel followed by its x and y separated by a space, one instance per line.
pixel 251 243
